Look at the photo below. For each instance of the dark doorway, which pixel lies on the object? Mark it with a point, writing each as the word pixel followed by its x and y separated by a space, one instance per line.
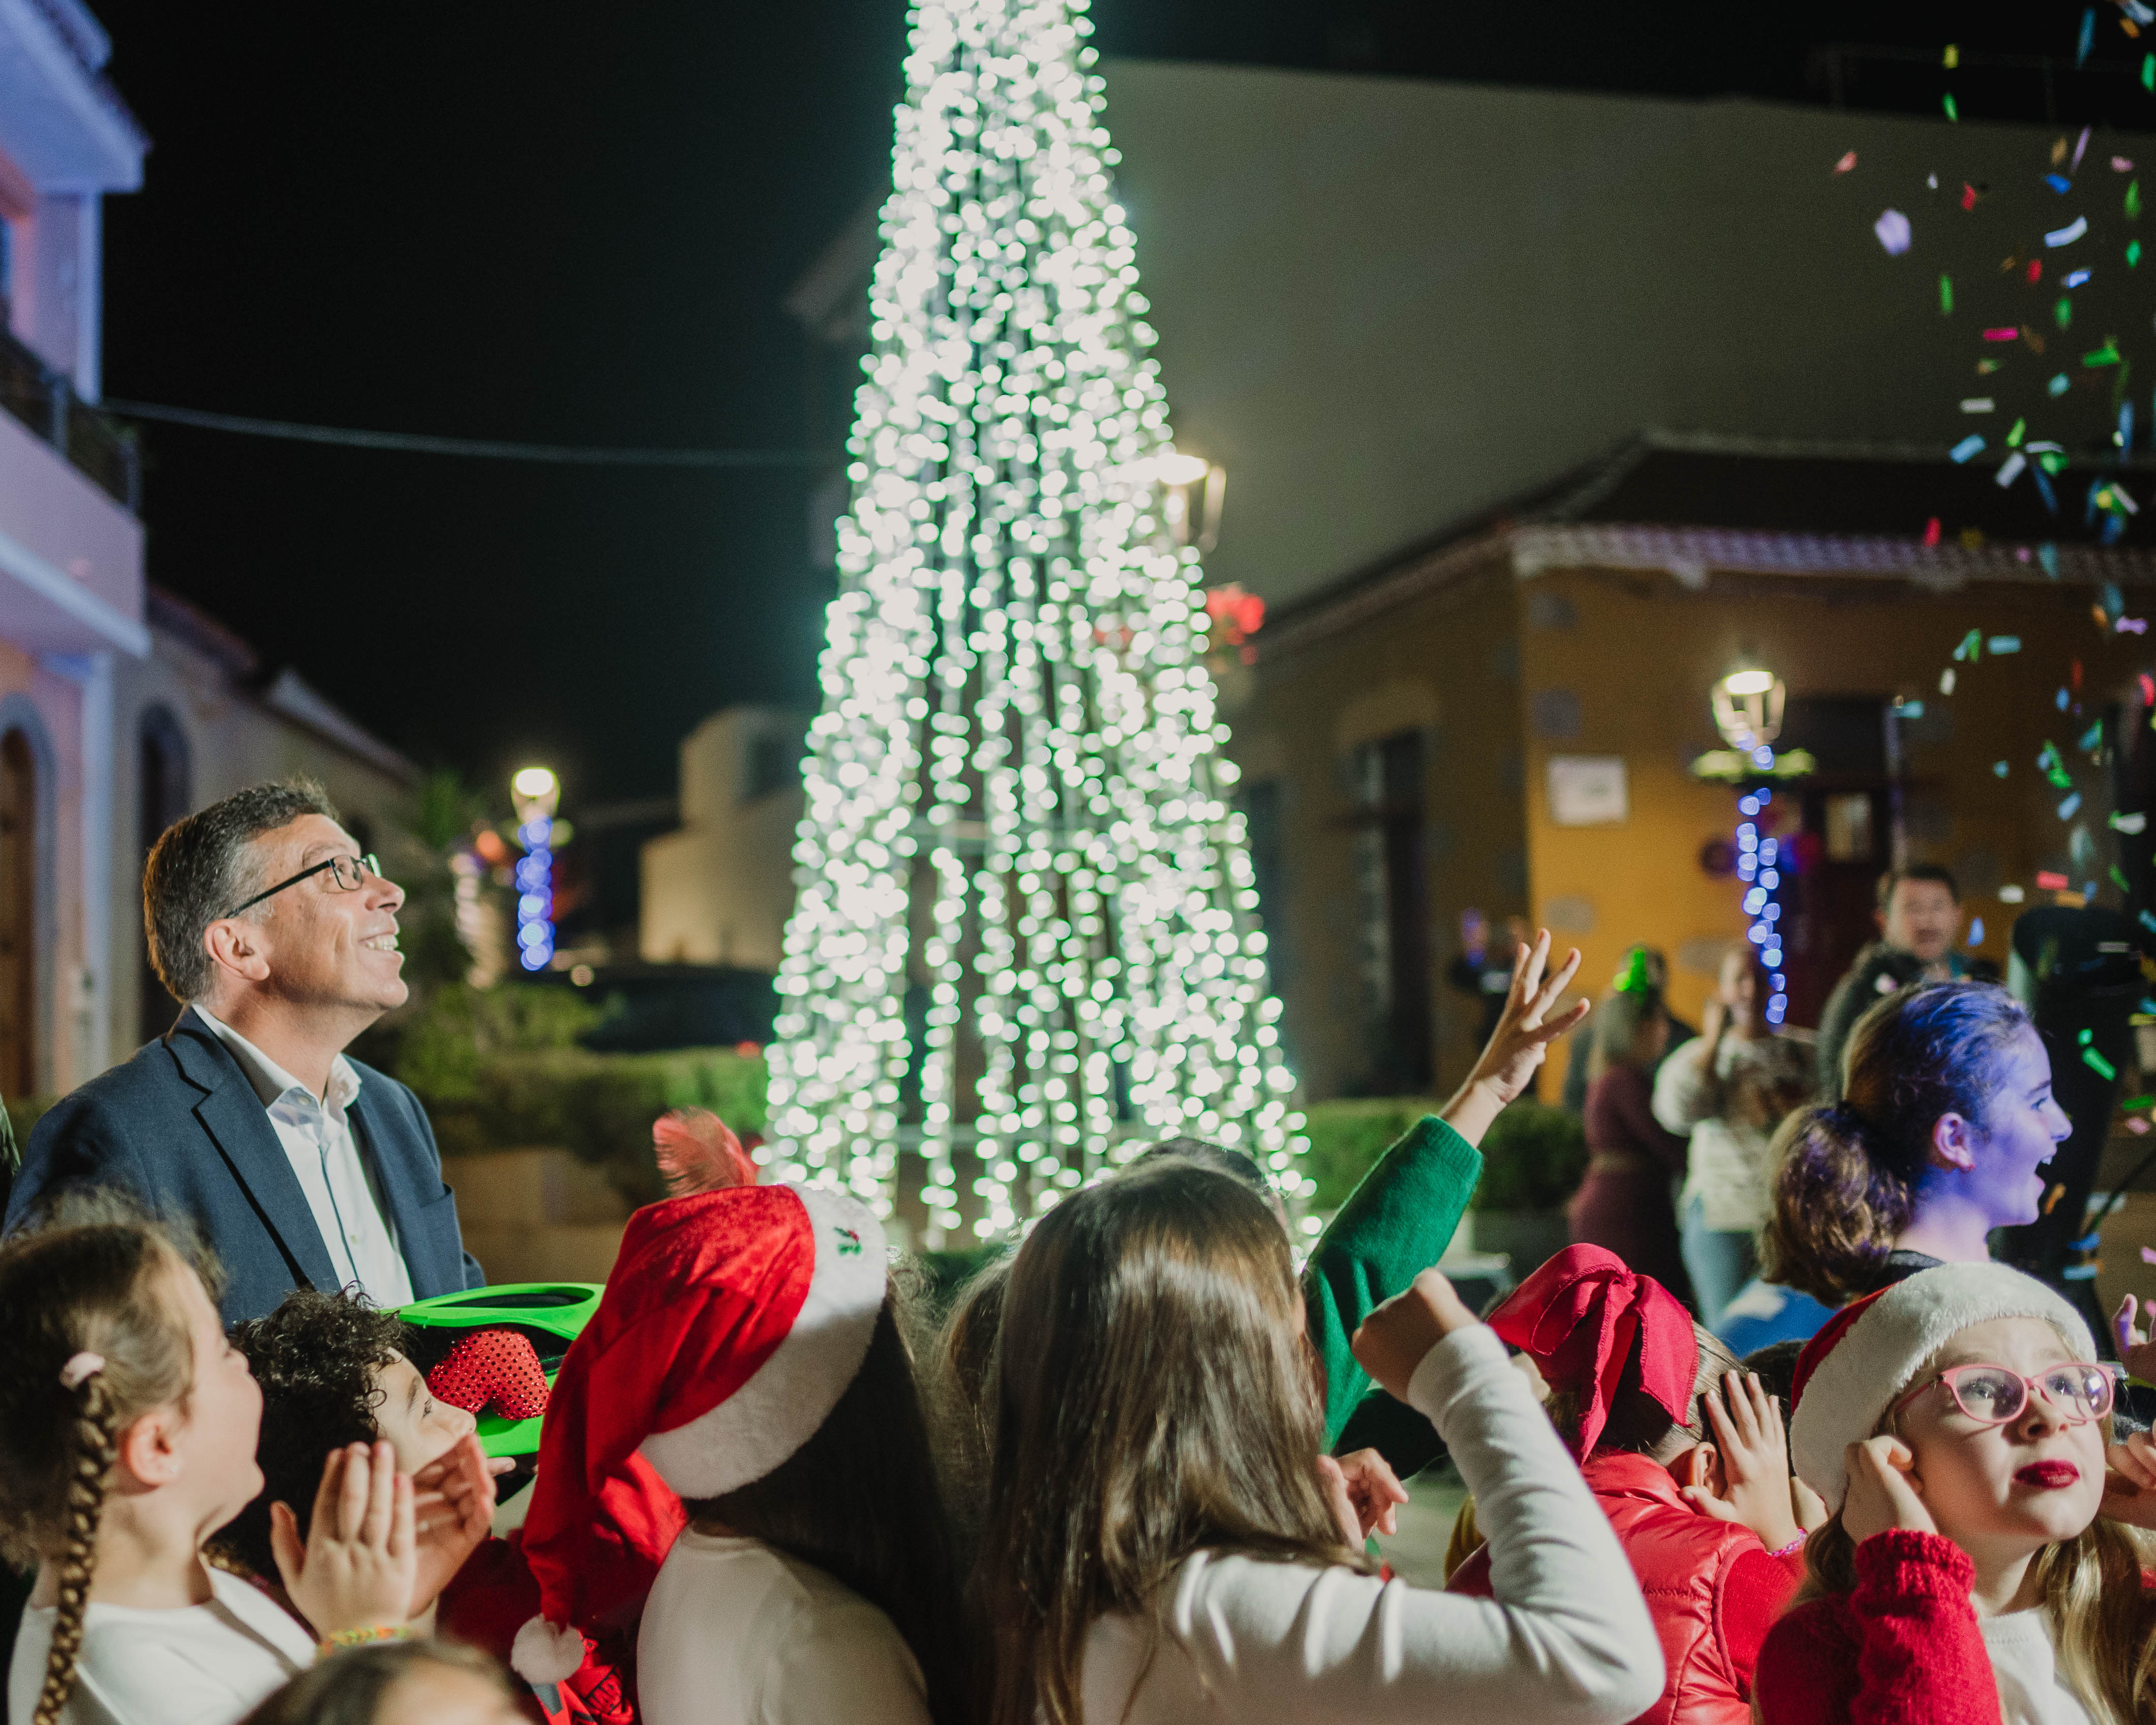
pixel 1393 943
pixel 164 775
pixel 1841 820
pixel 18 916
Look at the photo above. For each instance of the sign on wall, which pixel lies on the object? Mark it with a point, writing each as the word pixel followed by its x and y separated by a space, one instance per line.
pixel 1588 791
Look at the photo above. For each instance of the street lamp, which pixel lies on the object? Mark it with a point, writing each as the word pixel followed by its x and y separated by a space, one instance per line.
pixel 536 792
pixel 1748 704
pixel 1180 476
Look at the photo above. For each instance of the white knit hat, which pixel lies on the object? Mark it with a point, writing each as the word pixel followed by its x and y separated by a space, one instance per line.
pixel 1870 1351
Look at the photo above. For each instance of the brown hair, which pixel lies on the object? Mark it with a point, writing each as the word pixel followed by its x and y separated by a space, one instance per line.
pixel 1636 1422
pixel 1846 1172
pixel 91 1279
pixel 349 1688
pixel 1620 1021
pixel 859 1501
pixel 1153 1400
pixel 2102 1616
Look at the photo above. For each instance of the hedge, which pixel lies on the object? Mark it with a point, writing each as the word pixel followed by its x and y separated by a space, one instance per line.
pixel 1533 1156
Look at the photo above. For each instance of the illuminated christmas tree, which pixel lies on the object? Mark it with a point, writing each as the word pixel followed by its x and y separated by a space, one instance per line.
pixel 1025 922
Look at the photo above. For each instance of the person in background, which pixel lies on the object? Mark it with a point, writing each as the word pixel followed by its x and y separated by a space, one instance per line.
pixel 1634 1163
pixel 1484 967
pixel 398 1683
pixel 1728 1088
pixel 1919 917
pixel 1580 1067
pixel 299 1166
pixel 1942 1136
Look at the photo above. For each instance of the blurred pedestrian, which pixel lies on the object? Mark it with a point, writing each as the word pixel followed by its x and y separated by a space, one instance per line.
pixel 1728 1090
pixel 1627 1202
pixel 1919 917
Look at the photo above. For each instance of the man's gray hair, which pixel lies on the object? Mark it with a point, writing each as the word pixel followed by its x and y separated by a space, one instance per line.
pixel 203 865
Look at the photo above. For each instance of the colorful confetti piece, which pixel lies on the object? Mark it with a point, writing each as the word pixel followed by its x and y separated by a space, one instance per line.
pixel 2009 469
pixel 2057 237
pixel 1892 229
pixel 2004 644
pixel 1968 447
pixel 1849 160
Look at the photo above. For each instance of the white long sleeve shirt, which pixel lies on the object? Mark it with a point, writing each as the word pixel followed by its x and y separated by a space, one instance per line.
pixel 194 1665
pixel 341 1195
pixel 735 1633
pixel 1567 1640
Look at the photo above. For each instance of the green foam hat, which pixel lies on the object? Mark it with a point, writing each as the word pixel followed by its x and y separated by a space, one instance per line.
pixel 549 1314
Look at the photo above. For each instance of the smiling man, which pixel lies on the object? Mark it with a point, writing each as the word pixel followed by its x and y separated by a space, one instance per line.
pixel 301 1168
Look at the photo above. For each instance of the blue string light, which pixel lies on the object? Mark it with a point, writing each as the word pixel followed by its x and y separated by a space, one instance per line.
pixel 1758 865
pixel 535 894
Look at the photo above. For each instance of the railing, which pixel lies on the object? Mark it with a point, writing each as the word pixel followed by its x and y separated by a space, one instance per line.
pixel 95 444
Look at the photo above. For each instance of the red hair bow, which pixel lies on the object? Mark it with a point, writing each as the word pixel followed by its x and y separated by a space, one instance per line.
pixel 1582 1316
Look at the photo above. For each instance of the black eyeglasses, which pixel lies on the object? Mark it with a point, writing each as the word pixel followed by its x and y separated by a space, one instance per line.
pixel 350 873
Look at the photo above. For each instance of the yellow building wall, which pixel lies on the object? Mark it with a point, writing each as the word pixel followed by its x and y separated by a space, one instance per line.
pixel 1446 664
pixel 1641 653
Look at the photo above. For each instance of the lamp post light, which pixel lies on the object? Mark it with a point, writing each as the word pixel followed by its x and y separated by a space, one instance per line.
pixel 1748 704
pixel 537 793
pixel 1192 517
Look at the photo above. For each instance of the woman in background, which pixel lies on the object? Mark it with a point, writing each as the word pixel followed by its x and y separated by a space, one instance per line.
pixel 1626 1203
pixel 1727 1091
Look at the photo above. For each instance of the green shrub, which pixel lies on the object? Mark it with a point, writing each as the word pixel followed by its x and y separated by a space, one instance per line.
pixel 445 1047
pixel 597 1106
pixel 1533 1155
pixel 1347 1138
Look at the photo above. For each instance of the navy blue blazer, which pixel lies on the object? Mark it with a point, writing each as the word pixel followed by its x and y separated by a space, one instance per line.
pixel 180 1127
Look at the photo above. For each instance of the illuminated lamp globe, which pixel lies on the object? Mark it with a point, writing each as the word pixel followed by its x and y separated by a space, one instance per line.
pixel 1749 682
pixel 536 790
pixel 1171 469
pixel 533 781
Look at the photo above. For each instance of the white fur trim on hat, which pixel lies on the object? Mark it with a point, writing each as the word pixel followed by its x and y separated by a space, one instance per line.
pixel 792 1392
pixel 543 1654
pixel 1875 1362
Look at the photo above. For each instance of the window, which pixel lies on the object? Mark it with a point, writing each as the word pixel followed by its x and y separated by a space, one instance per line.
pixel 1392 955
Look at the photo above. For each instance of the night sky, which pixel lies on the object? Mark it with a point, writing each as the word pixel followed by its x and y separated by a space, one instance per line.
pixel 575 224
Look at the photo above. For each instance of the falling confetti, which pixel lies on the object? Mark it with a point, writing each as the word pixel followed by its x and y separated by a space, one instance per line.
pixel 1849 160
pixel 1946 680
pixel 1976 930
pixel 2009 469
pixel 1977 404
pixel 2004 644
pixel 1999 767
pixel 1892 229
pixel 1968 446
pixel 2134 823
pixel 2068 808
pixel 2057 237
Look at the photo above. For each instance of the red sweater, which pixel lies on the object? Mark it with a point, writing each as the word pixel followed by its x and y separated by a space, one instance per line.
pixel 1712 1589
pixel 1904 1646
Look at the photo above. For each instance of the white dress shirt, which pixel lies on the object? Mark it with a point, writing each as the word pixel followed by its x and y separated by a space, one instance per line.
pixel 316 1134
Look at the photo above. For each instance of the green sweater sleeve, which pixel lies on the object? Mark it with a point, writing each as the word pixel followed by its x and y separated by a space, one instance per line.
pixel 1395 1225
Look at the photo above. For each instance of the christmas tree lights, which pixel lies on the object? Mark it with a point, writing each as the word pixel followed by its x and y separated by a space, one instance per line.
pixel 1024 934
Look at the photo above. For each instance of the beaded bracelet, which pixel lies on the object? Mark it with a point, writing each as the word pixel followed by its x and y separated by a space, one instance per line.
pixel 337 1640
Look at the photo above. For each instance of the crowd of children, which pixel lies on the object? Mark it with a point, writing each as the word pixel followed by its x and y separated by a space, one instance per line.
pixel 1136 1476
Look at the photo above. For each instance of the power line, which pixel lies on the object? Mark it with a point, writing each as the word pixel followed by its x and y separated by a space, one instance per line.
pixel 418 443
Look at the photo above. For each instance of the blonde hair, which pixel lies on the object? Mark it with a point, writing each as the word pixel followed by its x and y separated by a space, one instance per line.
pixel 2102 1618
pixel 87 1282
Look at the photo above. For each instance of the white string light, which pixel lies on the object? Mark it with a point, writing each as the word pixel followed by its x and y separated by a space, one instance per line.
pixel 1017 808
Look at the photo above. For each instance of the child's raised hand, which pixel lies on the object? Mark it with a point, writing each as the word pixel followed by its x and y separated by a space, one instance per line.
pixel 2135 1351
pixel 1884 1491
pixel 1755 1461
pixel 1520 1042
pixel 1396 1336
pixel 452 1502
pixel 2129 1481
pixel 356 1570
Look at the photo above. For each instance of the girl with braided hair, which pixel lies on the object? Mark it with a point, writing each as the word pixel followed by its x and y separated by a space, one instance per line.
pixel 127 1431
pixel 1946 1122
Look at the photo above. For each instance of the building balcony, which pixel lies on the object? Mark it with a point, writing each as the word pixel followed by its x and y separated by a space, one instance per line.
pixel 45 402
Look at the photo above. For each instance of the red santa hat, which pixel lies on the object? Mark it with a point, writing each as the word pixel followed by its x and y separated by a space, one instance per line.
pixel 1870 1353
pixel 733 1322
pixel 1583 1316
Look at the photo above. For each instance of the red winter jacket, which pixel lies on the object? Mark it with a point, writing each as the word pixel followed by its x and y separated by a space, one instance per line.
pixel 1712 1589
pixel 1904 1646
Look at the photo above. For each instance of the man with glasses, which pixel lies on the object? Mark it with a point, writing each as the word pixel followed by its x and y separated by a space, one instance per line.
pixel 299 1166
